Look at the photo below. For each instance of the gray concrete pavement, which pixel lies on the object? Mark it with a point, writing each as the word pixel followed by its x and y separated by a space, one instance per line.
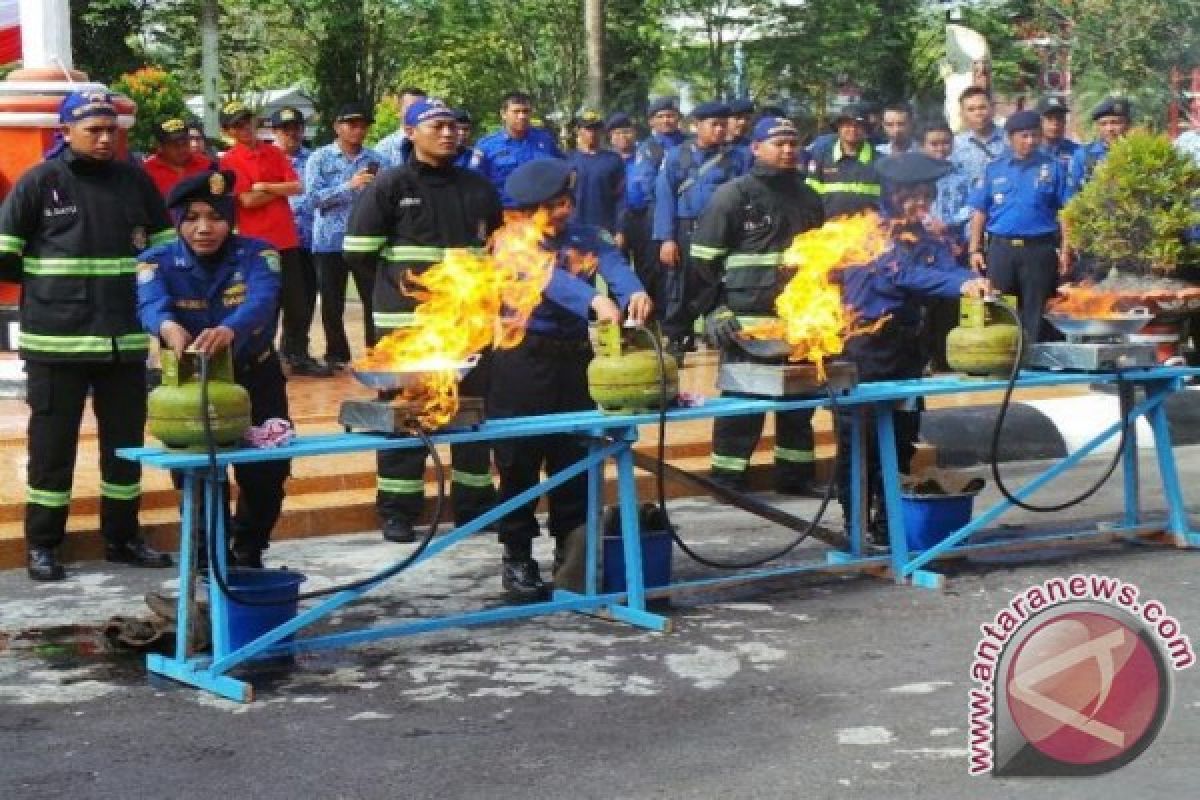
pixel 820 687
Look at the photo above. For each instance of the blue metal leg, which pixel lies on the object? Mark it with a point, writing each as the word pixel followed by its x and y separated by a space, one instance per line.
pixel 633 610
pixel 214 514
pixel 855 508
pixel 1129 458
pixel 1177 518
pixel 186 552
pixel 889 467
pixel 595 503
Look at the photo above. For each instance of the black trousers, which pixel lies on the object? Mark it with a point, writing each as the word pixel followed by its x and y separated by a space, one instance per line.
pixel 941 317
pixel 734 440
pixel 540 376
pixel 643 253
pixel 260 485
pixel 298 300
pixel 56 394
pixel 332 272
pixel 892 353
pixel 401 481
pixel 1031 273
pixel 677 318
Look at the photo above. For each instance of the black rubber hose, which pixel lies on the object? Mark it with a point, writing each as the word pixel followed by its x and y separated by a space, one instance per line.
pixel 664 401
pixel 994 454
pixel 210 519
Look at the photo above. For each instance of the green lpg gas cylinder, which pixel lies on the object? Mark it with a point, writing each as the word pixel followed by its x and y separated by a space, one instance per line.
pixel 173 409
pixel 624 377
pixel 985 341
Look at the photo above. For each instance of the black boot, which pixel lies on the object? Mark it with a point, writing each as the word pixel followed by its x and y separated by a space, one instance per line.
pixel 42 565
pixel 137 553
pixel 398 530
pixel 519 573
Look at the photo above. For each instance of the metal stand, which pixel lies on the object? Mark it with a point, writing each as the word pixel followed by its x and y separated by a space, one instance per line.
pixel 612 437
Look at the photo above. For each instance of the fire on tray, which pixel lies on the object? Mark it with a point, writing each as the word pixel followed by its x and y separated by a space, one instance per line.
pixel 1113 297
pixel 812 319
pixel 465 304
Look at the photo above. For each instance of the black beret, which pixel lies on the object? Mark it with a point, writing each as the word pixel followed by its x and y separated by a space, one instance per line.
pixel 662 104
pixel 909 168
pixel 741 105
pixel 618 120
pixel 713 109
pixel 539 181
pixel 1113 107
pixel 214 188
pixel 1052 104
pixel 1023 121
pixel 462 116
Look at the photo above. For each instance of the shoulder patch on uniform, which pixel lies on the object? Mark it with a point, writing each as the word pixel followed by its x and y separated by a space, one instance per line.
pixel 605 236
pixel 145 271
pixel 272 259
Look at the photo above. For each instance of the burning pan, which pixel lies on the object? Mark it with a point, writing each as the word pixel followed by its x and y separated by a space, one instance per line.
pixel 412 374
pixel 1113 323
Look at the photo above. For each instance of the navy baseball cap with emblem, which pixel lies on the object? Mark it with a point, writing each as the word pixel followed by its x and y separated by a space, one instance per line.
pixel 1052 104
pixel 234 112
pixel 911 168
pixel 1113 107
pixel 288 115
pixel 540 181
pixel 462 116
pixel 589 118
pixel 1023 121
pixel 659 104
pixel 214 188
pixel 80 105
pixel 617 121
pixel 740 106
pixel 426 109
pixel 713 109
pixel 171 130
pixel 768 127
pixel 855 112
pixel 354 111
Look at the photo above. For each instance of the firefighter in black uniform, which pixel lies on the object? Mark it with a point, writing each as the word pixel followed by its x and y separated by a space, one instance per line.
pixel 844 174
pixel 69 233
pixel 409 215
pixel 547 372
pixel 737 249
pixel 209 290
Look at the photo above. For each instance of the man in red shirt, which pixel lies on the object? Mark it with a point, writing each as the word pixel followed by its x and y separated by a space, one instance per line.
pixel 173 160
pixel 264 181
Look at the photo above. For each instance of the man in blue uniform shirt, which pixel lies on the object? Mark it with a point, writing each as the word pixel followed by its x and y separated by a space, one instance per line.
pixel 599 175
pixel 549 370
pixel 741 121
pixel 690 174
pixel 1017 205
pixel 1054 130
pixel 498 154
pixel 211 290
pixel 886 295
pixel 641 179
pixel 1112 119
pixel 622 140
pixel 982 141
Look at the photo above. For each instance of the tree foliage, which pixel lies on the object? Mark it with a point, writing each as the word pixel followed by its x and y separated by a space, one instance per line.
pixel 158 96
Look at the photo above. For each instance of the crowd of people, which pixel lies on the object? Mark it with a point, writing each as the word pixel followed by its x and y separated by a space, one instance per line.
pixel 211 251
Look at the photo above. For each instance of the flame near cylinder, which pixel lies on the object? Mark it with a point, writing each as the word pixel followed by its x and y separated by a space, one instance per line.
pixel 812 318
pixel 465 304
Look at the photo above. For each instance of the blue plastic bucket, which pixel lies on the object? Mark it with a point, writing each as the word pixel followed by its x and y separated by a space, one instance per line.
pixel 280 586
pixel 929 519
pixel 656 561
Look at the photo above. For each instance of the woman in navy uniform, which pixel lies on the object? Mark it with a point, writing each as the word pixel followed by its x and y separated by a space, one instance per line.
pixel 889 293
pixel 210 290
pixel 547 372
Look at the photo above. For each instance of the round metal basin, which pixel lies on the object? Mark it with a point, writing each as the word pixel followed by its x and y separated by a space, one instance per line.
pixel 1114 323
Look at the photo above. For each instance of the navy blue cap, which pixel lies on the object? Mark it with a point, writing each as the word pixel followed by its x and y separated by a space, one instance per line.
pixel 81 105
pixel 288 115
pixel 618 120
pixel 767 127
pixel 426 108
pixel 1023 121
pixel 171 130
pixel 855 112
pixel 713 109
pixel 1052 104
pixel 661 104
pixel 773 111
pixel 353 111
pixel 462 116
pixel 741 105
pixel 1113 107
pixel 910 168
pixel 214 188
pixel 539 181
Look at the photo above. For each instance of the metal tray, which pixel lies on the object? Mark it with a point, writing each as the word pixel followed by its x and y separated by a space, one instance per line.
pixel 388 380
pixel 1116 323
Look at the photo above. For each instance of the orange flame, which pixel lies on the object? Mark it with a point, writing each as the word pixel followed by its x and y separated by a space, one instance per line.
pixel 812 318
pixel 465 304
